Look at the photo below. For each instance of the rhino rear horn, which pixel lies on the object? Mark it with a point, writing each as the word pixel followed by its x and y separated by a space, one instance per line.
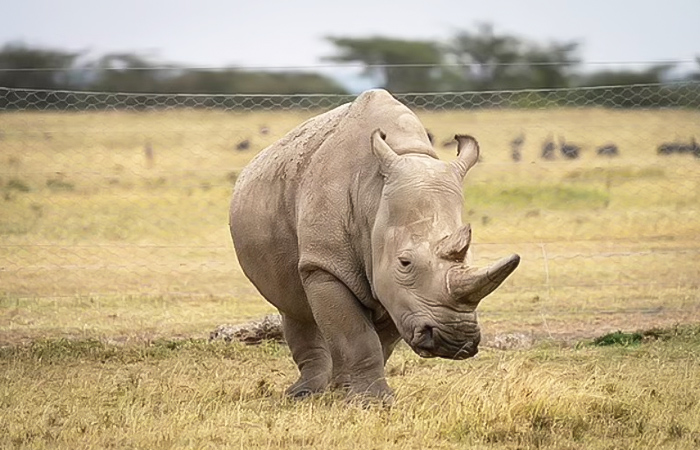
pixel 385 154
pixel 467 154
pixel 468 285
pixel 455 246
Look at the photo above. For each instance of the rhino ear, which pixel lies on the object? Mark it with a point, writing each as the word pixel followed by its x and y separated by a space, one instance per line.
pixel 455 246
pixel 467 154
pixel 382 151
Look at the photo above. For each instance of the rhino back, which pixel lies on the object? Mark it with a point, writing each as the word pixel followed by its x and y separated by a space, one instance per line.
pixel 274 174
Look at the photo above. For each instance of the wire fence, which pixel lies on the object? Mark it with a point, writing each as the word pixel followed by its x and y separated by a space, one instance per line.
pixel 116 194
pixel 679 94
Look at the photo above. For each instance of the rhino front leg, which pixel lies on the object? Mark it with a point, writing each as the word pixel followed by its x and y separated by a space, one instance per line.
pixel 389 336
pixel 355 347
pixel 311 355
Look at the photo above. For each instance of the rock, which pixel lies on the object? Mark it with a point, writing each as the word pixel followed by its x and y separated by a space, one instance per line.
pixel 512 341
pixel 269 328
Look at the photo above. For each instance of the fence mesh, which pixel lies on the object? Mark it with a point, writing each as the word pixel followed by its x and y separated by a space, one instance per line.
pixel 117 194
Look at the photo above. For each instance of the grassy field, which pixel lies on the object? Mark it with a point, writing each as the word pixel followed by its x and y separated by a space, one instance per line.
pixel 114 268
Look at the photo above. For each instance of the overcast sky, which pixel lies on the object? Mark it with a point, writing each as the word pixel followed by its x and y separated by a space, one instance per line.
pixel 291 33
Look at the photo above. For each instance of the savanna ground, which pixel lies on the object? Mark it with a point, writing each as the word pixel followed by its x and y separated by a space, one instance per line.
pixel 114 270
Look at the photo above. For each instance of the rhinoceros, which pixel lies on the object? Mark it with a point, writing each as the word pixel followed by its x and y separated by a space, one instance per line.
pixel 352 228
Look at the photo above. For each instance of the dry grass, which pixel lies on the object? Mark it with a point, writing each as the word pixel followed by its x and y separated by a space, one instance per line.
pixel 134 264
pixel 194 394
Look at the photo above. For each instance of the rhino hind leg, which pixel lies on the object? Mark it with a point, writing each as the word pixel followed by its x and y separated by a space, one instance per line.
pixel 311 355
pixel 355 347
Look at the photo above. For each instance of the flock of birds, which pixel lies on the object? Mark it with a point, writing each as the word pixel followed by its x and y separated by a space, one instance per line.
pixel 550 149
pixel 567 150
pixel 573 151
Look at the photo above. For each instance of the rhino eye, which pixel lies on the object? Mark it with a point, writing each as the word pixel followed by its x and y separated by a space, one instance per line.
pixel 405 263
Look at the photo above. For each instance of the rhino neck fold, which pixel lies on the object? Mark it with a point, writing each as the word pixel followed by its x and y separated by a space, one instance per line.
pixel 364 194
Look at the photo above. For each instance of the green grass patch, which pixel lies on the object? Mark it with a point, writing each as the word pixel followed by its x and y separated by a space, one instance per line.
pixel 626 339
pixel 605 174
pixel 535 196
pixel 619 338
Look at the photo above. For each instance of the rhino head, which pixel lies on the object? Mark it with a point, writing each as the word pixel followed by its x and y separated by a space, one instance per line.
pixel 420 251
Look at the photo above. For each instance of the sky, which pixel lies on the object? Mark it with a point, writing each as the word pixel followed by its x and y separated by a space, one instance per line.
pixel 266 33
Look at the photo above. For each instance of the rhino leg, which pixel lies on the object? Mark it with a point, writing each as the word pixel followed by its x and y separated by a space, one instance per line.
pixel 311 355
pixel 355 347
pixel 389 336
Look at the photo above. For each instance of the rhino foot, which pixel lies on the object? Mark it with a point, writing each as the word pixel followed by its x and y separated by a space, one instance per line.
pixel 311 355
pixel 299 393
pixel 303 389
pixel 366 393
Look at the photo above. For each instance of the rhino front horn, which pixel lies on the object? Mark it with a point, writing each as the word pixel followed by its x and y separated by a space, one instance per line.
pixel 469 285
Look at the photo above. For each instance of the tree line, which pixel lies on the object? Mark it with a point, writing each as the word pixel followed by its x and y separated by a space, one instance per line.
pixel 480 59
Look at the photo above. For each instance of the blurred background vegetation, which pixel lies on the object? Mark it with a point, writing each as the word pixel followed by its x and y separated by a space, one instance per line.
pixel 479 59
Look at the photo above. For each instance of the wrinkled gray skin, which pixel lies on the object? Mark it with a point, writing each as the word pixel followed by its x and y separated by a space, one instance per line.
pixel 358 241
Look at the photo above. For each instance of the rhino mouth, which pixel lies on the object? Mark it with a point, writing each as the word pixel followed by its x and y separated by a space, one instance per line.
pixel 430 342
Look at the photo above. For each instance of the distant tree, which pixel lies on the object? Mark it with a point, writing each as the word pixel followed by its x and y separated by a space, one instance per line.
pixel 550 66
pixel 238 81
pixel 382 55
pixel 40 68
pixel 200 81
pixel 128 72
pixel 286 83
pixel 489 61
pixel 654 74
pixel 502 61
